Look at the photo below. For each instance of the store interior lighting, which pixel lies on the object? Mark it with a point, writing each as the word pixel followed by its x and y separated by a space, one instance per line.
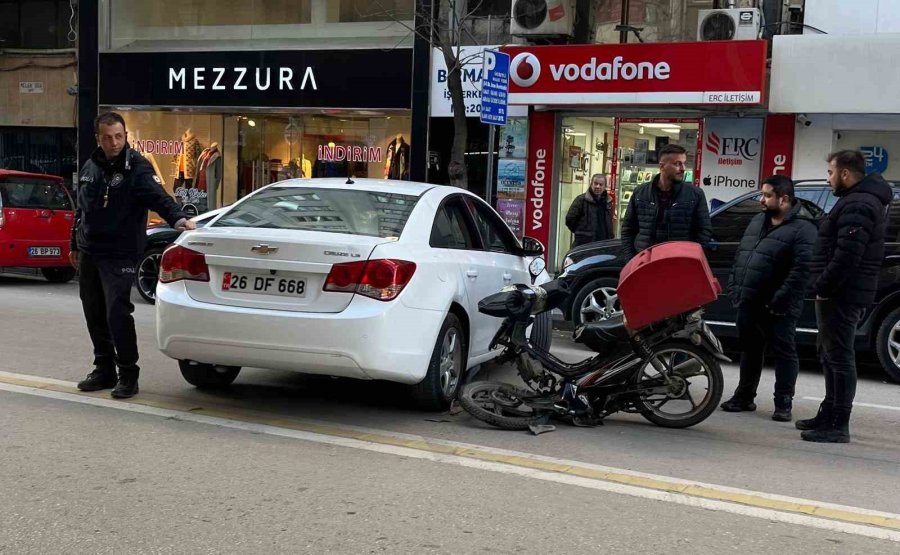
pixel 661 125
pixel 251 123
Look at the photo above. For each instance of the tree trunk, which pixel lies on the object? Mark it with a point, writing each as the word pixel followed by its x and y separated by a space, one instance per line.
pixel 456 168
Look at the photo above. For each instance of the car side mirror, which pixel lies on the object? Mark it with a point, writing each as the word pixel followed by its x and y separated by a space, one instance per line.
pixel 531 247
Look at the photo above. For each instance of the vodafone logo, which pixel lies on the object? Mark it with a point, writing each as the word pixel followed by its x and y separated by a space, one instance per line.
pixel 525 69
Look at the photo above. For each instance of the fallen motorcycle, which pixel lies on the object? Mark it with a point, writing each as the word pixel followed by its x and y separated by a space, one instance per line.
pixel 667 369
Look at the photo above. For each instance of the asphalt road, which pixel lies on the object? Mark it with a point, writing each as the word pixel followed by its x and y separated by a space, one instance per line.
pixel 284 462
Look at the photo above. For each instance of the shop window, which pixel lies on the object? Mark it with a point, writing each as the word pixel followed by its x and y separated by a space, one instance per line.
pixel 355 11
pixel 41 24
pixel 486 8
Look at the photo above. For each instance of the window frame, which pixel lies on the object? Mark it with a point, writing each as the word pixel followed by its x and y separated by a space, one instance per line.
pixel 471 228
pixel 513 248
pixel 59 16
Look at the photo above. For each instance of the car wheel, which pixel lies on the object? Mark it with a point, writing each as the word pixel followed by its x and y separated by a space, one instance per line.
pixel 147 275
pixel 542 331
pixel 596 301
pixel 62 274
pixel 445 371
pixel 887 344
pixel 207 376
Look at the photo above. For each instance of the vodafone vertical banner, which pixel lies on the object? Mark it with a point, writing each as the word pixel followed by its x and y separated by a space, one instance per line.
pixel 778 149
pixel 716 72
pixel 539 179
pixel 732 152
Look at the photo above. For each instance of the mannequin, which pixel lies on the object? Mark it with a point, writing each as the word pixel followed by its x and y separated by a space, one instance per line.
pixel 209 175
pixel 396 163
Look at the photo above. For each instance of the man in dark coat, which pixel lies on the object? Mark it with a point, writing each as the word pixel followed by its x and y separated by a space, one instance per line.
pixel 767 287
pixel 116 187
pixel 666 209
pixel 590 216
pixel 849 253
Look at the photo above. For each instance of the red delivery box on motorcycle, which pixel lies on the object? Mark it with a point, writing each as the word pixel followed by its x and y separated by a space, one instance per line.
pixel 665 280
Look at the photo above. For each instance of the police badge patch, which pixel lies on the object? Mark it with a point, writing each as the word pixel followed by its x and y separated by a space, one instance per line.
pixel 117 180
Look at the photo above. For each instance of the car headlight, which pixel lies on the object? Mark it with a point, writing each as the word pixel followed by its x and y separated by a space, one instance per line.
pixel 567 261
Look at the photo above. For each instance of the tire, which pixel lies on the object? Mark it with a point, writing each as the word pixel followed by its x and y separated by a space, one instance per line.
pixel 542 331
pixel 61 274
pixel 146 275
pixel 446 369
pixel 888 333
pixel 207 376
pixel 708 404
pixel 603 291
pixel 472 400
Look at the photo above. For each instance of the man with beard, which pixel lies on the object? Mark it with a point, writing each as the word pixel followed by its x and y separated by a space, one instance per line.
pixel 666 209
pixel 849 254
pixel 767 286
pixel 590 216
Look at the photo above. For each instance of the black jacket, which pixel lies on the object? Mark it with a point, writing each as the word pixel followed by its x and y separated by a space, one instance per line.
pixel 771 268
pixel 687 218
pixel 590 218
pixel 850 248
pixel 118 229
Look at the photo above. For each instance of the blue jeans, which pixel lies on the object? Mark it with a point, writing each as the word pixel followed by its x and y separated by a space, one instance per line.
pixel 837 333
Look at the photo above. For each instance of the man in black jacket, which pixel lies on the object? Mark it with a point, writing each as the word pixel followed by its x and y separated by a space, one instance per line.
pixel 849 253
pixel 116 188
pixel 666 209
pixel 767 286
pixel 590 215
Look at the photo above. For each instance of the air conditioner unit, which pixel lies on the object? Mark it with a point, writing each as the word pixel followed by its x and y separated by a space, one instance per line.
pixel 730 24
pixel 542 18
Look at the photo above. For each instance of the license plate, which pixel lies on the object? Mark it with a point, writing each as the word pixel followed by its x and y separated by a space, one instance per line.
pixel 263 284
pixel 44 251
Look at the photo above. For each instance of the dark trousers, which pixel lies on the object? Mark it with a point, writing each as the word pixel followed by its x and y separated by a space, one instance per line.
pixel 105 288
pixel 757 328
pixel 837 333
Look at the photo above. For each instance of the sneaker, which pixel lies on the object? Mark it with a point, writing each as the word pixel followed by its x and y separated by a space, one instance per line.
pixel 782 415
pixel 126 388
pixel 98 379
pixel 738 405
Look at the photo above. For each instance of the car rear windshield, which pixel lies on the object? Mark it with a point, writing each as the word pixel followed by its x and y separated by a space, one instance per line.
pixel 23 192
pixel 318 209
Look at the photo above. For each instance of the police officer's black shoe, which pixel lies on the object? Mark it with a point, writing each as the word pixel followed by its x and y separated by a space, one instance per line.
pixel 738 405
pixel 822 419
pixel 98 379
pixel 783 406
pixel 127 387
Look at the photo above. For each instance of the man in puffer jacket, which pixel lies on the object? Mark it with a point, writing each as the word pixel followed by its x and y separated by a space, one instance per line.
pixel 666 209
pixel 767 287
pixel 849 252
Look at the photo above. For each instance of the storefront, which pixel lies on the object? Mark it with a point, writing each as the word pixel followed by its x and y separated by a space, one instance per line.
pixel 608 109
pixel 850 109
pixel 219 125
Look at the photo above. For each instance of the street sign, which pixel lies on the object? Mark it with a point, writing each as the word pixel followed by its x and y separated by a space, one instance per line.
pixel 495 87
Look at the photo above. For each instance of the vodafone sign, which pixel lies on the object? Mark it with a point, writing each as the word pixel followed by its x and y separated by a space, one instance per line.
pixel 722 72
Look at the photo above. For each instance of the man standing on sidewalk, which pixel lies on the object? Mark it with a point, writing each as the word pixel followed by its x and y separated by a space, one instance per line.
pixel 767 286
pixel 590 215
pixel 116 188
pixel 666 209
pixel 849 253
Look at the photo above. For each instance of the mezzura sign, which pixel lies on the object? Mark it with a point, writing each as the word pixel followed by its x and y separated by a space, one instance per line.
pixel 265 79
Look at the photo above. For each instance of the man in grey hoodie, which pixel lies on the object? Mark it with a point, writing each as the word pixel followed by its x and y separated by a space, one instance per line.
pixel 849 254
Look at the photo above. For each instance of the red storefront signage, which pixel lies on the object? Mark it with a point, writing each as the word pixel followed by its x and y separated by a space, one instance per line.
pixel 778 146
pixel 718 72
pixel 539 184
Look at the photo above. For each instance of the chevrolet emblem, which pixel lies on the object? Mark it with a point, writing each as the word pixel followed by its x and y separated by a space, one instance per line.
pixel 264 249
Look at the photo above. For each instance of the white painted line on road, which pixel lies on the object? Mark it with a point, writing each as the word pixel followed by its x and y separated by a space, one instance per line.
pixel 855 404
pixel 814 514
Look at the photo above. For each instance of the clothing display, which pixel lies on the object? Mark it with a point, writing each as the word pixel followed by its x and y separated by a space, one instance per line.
pixel 396 159
pixel 186 161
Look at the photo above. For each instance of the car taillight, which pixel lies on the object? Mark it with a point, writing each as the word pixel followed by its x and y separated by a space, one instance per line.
pixel 381 279
pixel 180 263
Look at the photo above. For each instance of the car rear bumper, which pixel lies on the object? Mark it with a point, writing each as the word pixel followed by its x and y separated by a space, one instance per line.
pixel 368 340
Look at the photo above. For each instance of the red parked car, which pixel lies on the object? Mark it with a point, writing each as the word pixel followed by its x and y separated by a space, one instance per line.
pixel 36 216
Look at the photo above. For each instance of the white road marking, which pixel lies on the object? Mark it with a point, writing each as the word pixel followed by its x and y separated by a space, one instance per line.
pixel 548 476
pixel 855 404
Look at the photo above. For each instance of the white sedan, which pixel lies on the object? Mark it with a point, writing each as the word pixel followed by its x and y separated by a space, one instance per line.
pixel 364 279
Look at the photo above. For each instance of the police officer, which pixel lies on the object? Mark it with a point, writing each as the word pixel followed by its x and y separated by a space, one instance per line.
pixel 116 188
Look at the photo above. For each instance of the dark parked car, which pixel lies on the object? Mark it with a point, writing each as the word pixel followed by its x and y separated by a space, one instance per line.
pixel 594 296
pixel 159 237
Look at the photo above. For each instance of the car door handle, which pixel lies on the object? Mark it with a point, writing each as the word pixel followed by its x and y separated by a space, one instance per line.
pixel 507 276
pixel 472 273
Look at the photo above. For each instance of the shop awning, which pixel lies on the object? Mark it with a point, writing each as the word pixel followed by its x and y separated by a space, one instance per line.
pixel 847 74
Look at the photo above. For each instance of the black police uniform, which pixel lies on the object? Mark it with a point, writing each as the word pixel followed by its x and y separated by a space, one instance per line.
pixel 110 234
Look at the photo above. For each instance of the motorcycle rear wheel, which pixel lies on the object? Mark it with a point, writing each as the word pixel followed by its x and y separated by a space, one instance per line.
pixel 501 405
pixel 688 367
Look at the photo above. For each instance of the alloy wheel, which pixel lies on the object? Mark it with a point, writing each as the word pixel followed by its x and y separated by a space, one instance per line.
pixel 893 344
pixel 601 304
pixel 450 362
pixel 148 274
